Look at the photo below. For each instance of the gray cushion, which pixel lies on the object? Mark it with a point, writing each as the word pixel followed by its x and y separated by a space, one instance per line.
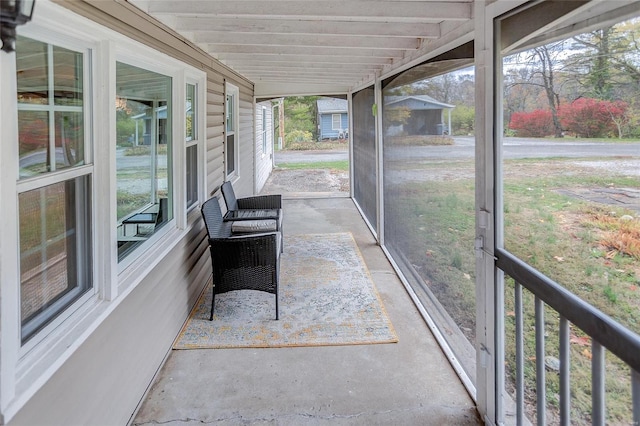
pixel 249 226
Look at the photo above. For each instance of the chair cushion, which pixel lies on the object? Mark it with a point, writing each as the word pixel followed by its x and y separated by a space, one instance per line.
pixel 249 226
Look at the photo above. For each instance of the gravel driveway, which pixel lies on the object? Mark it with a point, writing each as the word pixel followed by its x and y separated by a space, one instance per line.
pixel 304 182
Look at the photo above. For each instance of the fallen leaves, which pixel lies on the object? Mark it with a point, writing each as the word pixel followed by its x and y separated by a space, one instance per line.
pixel 580 340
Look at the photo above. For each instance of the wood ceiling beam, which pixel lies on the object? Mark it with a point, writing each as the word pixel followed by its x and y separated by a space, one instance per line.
pixel 306 40
pixel 342 81
pixel 302 58
pixel 206 24
pixel 221 50
pixel 257 66
pixel 304 73
pixel 327 10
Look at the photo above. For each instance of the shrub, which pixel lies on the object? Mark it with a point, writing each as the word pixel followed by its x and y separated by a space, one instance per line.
pixel 593 118
pixel 536 124
pixel 298 136
pixel 463 120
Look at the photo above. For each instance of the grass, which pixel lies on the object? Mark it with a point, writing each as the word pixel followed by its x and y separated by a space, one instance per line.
pixel 145 150
pixel 333 165
pixel 420 140
pixel 590 249
pixel 338 144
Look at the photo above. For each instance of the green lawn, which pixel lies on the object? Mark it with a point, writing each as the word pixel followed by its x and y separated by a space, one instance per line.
pixel 571 240
pixel 333 165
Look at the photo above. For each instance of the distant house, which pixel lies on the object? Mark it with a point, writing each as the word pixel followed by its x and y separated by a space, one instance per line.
pixel 427 115
pixel 333 119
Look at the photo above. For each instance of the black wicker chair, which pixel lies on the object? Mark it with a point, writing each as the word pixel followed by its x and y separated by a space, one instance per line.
pixel 248 213
pixel 240 262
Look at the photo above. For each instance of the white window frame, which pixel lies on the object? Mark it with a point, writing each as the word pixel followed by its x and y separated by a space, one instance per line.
pixel 21 360
pixel 333 121
pixel 148 61
pixel 64 175
pixel 25 369
pixel 233 92
pixel 197 79
pixel 265 128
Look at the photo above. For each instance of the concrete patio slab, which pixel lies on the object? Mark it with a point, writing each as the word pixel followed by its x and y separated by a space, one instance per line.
pixel 404 383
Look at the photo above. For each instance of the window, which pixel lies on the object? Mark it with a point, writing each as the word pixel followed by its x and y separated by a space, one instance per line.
pixel 191 139
pixel 54 187
pixel 143 155
pixel 264 130
pixel 336 121
pixel 231 131
pixel 67 259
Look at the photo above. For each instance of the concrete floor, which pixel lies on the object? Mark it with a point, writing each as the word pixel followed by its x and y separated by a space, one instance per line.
pixel 405 383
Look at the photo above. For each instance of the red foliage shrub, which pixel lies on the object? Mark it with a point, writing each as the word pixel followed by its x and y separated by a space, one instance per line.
pixel 592 118
pixel 537 124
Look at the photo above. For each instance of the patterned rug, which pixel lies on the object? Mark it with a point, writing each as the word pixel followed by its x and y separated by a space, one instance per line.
pixel 327 297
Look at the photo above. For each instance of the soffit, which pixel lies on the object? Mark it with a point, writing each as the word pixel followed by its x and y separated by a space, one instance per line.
pixel 290 47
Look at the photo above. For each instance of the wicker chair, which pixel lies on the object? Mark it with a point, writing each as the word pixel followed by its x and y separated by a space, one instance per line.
pixel 246 212
pixel 240 262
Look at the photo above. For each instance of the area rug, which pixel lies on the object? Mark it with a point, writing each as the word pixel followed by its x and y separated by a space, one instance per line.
pixel 327 297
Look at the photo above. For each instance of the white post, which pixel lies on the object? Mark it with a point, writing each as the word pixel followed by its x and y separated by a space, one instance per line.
pixel 488 324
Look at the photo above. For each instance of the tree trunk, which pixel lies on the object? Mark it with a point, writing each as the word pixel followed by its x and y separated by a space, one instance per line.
pixel 547 80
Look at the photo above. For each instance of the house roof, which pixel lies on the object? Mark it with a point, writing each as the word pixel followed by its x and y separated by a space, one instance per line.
pixel 332 105
pixel 428 101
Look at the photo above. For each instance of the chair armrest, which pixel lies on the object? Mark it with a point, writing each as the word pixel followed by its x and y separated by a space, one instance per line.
pixel 258 214
pixel 250 236
pixel 261 202
pixel 242 248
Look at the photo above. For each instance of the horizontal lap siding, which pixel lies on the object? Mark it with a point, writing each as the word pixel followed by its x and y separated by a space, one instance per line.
pixel 326 125
pixel 106 377
pixel 244 186
pixel 215 133
pixel 264 161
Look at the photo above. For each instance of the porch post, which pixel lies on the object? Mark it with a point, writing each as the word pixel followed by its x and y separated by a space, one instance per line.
pixel 350 139
pixel 379 99
pixel 488 296
pixel 9 290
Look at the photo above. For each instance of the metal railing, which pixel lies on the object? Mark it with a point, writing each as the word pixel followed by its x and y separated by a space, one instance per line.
pixel 605 333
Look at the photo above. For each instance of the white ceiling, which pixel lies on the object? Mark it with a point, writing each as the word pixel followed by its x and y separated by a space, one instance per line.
pixel 312 46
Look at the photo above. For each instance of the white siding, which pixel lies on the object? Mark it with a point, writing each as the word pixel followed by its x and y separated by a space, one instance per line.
pixel 244 185
pixel 107 376
pixel 264 160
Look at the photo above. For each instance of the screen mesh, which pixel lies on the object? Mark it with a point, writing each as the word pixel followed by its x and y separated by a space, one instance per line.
pixel 364 153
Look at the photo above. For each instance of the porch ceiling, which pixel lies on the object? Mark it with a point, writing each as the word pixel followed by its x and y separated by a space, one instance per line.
pixel 311 46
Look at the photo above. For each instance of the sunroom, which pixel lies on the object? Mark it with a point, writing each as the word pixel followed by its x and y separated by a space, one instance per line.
pixel 121 118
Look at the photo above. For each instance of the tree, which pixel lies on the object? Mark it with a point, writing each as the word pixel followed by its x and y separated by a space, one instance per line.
pixel 595 59
pixel 607 61
pixel 300 114
pixel 463 120
pixel 396 116
pixel 547 73
pixel 540 66
pixel 519 96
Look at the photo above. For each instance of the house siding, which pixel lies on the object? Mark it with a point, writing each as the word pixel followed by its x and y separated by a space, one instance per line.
pixel 264 160
pixel 106 377
pixel 244 185
pixel 326 125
